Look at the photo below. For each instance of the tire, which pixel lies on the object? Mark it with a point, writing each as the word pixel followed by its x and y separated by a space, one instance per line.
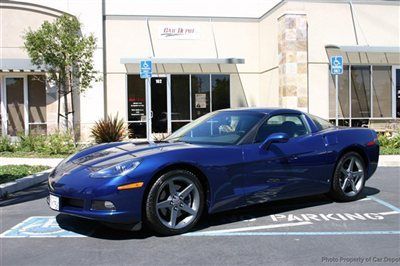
pixel 174 209
pixel 355 175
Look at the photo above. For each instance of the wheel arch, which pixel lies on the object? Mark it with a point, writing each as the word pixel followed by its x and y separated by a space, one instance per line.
pixel 182 166
pixel 354 148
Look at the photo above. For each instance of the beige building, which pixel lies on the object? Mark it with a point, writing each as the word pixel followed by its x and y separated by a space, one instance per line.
pixel 212 55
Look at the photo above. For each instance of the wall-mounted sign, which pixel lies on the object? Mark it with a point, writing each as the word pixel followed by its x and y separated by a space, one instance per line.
pixel 201 100
pixel 178 32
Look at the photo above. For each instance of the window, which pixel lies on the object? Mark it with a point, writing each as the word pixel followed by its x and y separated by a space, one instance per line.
pixel 200 95
pixel 320 123
pixel 292 125
pixel 360 91
pixel 220 92
pixel 37 104
pixel 370 94
pixel 223 128
pixel 382 91
pixel 180 100
pixel 136 106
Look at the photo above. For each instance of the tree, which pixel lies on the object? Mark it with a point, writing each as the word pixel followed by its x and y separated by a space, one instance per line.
pixel 67 56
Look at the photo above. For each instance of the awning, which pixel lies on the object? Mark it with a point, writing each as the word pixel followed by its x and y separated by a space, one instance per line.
pixel 18 65
pixel 184 65
pixel 369 55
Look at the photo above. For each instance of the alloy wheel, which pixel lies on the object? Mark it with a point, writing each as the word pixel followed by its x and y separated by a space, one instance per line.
pixel 351 176
pixel 178 202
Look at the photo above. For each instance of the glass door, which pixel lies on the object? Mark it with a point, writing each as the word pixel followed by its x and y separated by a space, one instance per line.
pixel 159 119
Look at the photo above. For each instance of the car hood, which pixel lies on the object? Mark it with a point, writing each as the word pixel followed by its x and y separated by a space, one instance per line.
pixel 126 151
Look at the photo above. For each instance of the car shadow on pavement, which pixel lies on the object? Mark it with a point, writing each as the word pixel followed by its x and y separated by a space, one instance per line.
pixel 98 230
pixel 33 193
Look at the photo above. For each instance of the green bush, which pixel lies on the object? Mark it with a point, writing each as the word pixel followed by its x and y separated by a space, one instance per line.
pixel 31 143
pixel 59 143
pixel 109 130
pixel 388 141
pixel 6 145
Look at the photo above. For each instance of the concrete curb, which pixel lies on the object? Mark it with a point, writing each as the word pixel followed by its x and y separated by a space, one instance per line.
pixel 389 161
pixel 23 183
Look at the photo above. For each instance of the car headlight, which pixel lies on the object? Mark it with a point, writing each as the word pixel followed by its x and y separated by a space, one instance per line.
pixel 116 170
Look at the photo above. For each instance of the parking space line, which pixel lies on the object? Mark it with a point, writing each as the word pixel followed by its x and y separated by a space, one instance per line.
pixel 327 233
pixel 384 203
pixel 252 228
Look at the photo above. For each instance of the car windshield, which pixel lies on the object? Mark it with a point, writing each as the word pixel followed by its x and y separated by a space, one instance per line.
pixel 222 128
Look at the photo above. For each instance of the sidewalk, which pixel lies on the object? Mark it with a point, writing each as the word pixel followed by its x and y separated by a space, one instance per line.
pixel 389 160
pixel 52 162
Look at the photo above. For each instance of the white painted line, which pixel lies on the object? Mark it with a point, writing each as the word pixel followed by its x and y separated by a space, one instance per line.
pixel 389 213
pixel 253 228
pixel 364 199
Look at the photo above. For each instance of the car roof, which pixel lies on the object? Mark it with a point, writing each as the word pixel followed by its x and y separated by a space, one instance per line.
pixel 272 110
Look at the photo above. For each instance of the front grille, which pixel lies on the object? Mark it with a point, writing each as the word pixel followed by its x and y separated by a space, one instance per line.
pixel 70 202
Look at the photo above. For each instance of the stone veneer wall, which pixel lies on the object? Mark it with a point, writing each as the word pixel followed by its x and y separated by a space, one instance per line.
pixel 293 57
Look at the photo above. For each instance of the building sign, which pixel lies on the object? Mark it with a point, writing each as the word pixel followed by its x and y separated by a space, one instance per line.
pixel 201 100
pixel 178 32
pixel 136 109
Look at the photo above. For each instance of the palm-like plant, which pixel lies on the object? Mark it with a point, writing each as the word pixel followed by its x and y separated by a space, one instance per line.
pixel 109 130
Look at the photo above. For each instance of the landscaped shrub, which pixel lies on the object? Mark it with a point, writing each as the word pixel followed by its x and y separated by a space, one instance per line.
pixel 59 143
pixel 31 143
pixel 109 130
pixel 388 141
pixel 6 145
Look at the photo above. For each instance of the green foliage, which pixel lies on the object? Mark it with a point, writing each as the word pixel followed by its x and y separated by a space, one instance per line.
pixel 61 143
pixel 53 144
pixel 11 172
pixel 61 48
pixel 389 141
pixel 6 145
pixel 390 144
pixel 109 130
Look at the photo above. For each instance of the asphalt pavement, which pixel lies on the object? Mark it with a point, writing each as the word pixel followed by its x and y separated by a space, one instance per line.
pixel 306 231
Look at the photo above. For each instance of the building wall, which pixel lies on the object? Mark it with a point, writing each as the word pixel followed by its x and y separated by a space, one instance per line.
pixel 34 13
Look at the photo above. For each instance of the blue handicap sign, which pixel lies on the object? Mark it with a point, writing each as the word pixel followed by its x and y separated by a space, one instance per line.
pixel 38 226
pixel 145 69
pixel 336 65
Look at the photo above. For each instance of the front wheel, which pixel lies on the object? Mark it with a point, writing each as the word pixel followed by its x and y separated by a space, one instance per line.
pixel 348 178
pixel 174 203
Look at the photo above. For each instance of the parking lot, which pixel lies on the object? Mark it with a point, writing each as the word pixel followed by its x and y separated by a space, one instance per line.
pixel 312 230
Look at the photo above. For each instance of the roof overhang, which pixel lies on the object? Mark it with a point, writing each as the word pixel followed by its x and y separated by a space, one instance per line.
pixel 18 65
pixel 184 65
pixel 361 54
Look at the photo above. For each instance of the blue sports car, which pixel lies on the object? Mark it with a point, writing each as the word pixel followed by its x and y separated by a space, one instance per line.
pixel 224 160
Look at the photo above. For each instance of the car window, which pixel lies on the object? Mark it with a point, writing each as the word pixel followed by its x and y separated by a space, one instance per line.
pixel 292 125
pixel 217 128
pixel 320 123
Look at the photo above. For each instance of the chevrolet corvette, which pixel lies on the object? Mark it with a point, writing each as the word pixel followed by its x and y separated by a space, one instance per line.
pixel 224 160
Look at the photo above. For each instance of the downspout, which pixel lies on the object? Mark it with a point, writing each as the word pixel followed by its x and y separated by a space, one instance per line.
pixel 103 11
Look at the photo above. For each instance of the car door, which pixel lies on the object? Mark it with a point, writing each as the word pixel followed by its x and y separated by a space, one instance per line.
pixel 284 170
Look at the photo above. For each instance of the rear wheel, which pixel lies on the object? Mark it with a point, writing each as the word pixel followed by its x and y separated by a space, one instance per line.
pixel 174 203
pixel 349 178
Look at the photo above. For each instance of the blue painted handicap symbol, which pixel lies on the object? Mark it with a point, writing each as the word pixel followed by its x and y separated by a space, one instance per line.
pixel 38 226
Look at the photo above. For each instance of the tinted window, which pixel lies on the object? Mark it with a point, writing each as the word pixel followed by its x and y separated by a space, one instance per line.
pixel 217 128
pixel 320 123
pixel 292 125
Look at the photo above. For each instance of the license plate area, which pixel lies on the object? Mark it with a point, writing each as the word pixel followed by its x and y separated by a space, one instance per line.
pixel 54 202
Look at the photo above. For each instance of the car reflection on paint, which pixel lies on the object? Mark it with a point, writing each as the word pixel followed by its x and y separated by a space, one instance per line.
pixel 224 160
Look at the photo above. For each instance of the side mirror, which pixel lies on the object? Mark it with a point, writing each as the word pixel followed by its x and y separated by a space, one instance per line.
pixel 274 138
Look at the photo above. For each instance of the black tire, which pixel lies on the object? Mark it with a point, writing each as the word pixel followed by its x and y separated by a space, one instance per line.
pixel 336 192
pixel 155 220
